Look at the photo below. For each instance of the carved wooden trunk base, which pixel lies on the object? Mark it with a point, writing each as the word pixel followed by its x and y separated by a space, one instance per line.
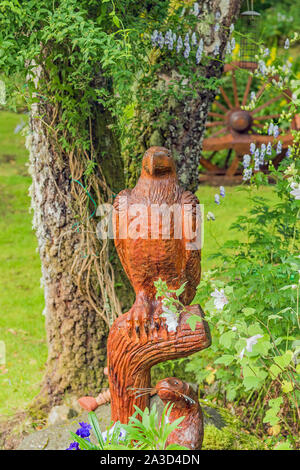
pixel 138 340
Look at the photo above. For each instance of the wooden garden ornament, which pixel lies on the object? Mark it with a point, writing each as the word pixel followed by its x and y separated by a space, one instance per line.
pixel 141 338
pixel 151 249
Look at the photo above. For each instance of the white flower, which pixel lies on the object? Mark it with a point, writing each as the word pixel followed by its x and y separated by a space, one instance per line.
pixel 295 190
pixel 210 216
pixel 234 328
pixel 220 299
pixel 110 433
pixel 171 318
pixel 250 343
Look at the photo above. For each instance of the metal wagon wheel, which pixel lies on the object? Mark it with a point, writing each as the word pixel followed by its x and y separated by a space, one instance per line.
pixel 235 128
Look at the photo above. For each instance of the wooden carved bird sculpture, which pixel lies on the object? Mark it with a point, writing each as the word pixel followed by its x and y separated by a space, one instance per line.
pixel 161 222
pixel 157 236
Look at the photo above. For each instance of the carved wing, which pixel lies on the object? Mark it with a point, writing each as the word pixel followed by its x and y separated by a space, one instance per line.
pixel 120 205
pixel 192 256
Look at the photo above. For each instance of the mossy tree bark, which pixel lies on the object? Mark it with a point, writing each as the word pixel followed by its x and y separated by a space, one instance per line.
pixel 76 333
pixel 183 132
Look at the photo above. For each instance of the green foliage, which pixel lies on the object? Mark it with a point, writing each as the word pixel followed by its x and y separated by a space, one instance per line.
pixel 256 333
pixel 144 433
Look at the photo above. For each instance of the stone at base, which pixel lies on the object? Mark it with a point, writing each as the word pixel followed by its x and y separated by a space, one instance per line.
pixel 222 431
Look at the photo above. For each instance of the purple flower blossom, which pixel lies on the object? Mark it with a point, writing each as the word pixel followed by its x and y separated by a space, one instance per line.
pixel 266 52
pixel 84 430
pixel 217 199
pixel 73 446
pixel 252 95
pixel 269 149
pixel 288 153
pixel 287 44
pixel 252 147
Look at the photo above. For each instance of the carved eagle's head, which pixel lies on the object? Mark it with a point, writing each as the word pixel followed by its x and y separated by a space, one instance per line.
pixel 158 163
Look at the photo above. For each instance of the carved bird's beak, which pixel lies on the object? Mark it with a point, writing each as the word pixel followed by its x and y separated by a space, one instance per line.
pixel 160 163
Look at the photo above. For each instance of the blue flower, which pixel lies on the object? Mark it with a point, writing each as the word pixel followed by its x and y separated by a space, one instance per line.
pixel 288 153
pixel 276 131
pixel 262 67
pixel 154 37
pixel 186 41
pixel 279 147
pixel 217 50
pixel 169 39
pixel 84 430
pixel 269 149
pixel 179 44
pixel 73 446
pixel 199 51
pixel 266 52
pixel 160 40
pixel 287 44
pixel 194 39
pixel 222 191
pixel 196 9
pixel 252 147
pixel 252 95
pixel 270 129
pixel 187 51
pixel 217 199
pixel 247 174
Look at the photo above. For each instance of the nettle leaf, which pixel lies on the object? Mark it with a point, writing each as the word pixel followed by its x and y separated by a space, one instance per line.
pixel 252 382
pixel 287 386
pixel 226 359
pixel 192 321
pixel 226 338
pixel 248 311
pixel 274 371
pixel 284 360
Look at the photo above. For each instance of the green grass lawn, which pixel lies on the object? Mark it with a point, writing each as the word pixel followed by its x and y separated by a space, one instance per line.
pixel 21 298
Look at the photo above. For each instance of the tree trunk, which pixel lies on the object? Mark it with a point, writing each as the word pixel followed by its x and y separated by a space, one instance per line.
pixel 183 134
pixel 76 328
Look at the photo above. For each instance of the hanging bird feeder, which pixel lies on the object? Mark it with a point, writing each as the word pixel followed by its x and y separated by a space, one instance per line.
pixel 250 31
